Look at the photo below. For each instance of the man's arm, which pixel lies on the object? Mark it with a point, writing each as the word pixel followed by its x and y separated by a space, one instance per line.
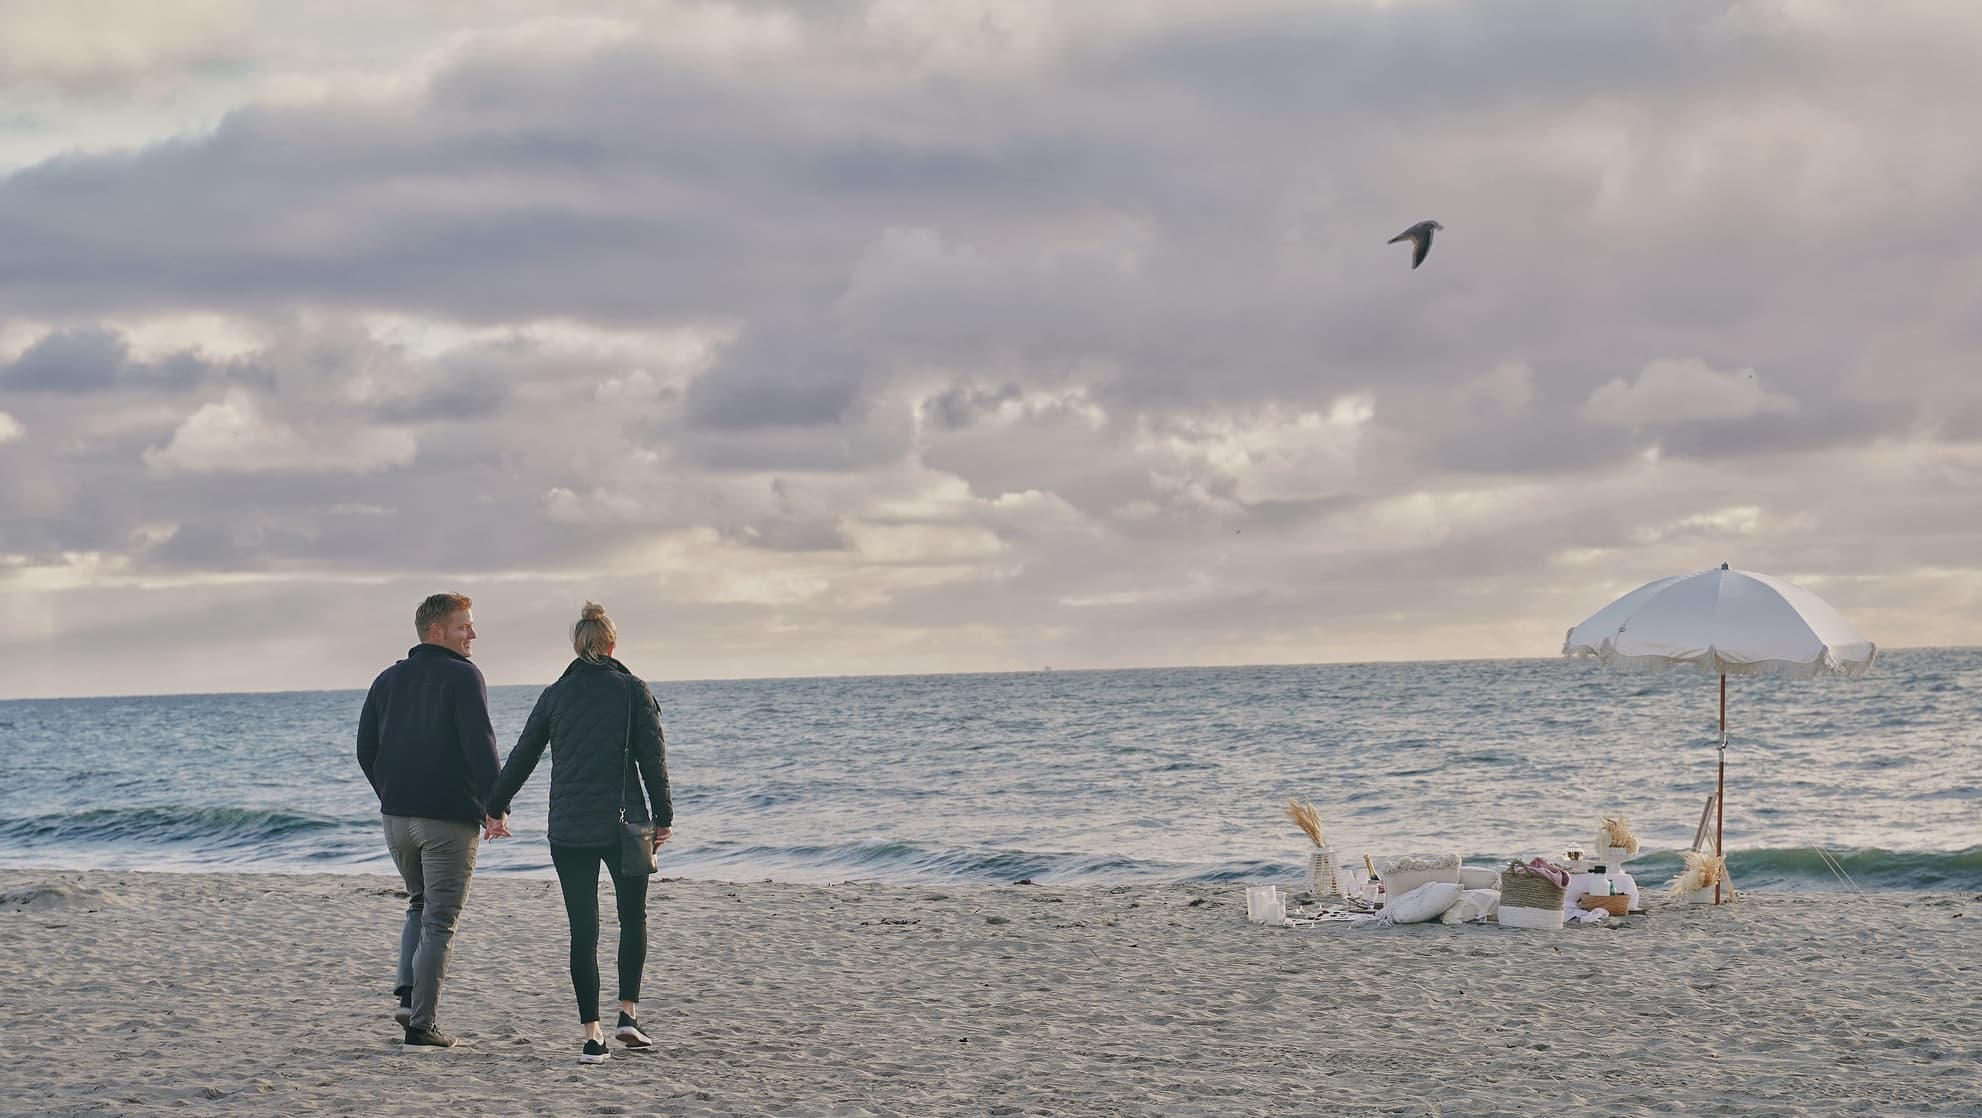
pixel 478 747
pixel 368 736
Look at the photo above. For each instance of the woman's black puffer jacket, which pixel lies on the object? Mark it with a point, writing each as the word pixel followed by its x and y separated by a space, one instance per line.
pixel 585 718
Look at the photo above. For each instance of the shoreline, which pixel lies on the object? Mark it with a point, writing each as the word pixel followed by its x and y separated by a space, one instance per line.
pixel 268 994
pixel 1656 867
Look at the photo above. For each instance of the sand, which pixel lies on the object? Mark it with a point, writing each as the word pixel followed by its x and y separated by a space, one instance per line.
pixel 125 993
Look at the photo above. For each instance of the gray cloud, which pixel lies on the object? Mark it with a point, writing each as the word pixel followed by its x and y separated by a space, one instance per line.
pixel 776 379
pixel 69 361
pixel 1079 335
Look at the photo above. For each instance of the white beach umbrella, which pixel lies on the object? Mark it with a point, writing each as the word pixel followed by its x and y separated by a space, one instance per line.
pixel 1727 623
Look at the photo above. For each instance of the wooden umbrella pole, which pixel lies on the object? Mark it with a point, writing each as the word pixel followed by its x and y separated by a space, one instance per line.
pixel 1720 794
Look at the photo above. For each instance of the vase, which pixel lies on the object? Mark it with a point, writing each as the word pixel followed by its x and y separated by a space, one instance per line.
pixel 1323 879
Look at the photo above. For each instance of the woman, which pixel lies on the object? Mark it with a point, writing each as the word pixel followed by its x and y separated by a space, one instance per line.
pixel 602 724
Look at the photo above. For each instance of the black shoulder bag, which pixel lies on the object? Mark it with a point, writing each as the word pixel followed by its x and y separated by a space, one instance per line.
pixel 637 856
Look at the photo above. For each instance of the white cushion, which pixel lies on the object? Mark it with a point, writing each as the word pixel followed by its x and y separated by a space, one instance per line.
pixel 1404 873
pixel 1426 902
pixel 1473 904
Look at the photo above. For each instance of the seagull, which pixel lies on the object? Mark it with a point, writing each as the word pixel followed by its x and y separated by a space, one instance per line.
pixel 1419 235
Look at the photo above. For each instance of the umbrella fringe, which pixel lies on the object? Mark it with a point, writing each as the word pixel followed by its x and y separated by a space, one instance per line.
pixel 1828 664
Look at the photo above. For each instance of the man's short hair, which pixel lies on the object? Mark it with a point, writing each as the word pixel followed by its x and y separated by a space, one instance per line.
pixel 438 607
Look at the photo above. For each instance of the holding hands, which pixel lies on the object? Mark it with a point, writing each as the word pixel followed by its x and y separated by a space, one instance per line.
pixel 495 828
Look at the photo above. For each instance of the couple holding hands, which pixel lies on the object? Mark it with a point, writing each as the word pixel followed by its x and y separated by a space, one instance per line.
pixel 428 748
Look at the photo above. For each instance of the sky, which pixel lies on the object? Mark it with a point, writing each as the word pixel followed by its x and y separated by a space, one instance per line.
pixel 845 337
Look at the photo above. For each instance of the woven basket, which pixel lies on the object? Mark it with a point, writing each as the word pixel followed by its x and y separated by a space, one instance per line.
pixel 1615 904
pixel 1521 887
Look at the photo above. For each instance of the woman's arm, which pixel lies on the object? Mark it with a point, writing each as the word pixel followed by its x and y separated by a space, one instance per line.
pixel 523 759
pixel 650 750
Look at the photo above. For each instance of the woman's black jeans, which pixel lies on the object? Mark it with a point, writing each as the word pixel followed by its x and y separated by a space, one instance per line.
pixel 578 877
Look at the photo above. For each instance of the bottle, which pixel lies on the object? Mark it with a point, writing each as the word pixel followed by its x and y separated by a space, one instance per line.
pixel 1376 892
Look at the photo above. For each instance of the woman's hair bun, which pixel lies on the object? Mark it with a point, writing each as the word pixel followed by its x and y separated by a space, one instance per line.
pixel 593 611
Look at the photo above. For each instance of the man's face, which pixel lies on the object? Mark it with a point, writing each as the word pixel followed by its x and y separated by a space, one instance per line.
pixel 457 632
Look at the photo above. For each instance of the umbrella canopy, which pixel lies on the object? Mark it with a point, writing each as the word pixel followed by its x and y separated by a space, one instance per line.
pixel 1728 623
pixel 1724 622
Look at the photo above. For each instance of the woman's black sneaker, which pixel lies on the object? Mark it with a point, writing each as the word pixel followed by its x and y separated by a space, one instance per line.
pixel 594 1053
pixel 629 1034
pixel 427 1040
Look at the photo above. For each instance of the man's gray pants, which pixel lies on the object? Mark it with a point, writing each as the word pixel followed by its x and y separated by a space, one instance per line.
pixel 436 858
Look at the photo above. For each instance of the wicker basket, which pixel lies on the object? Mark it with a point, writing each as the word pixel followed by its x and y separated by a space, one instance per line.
pixel 1616 904
pixel 1521 887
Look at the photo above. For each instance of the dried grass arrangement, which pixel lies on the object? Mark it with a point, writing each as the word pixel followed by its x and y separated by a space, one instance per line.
pixel 1701 872
pixel 1307 819
pixel 1614 831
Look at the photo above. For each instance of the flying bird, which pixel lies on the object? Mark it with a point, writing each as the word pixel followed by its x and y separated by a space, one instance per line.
pixel 1419 235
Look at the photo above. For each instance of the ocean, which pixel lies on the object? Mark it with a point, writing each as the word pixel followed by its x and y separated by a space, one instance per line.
pixel 1089 776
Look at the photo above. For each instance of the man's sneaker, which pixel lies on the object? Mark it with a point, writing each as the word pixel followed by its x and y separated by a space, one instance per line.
pixel 404 1014
pixel 427 1040
pixel 594 1053
pixel 629 1033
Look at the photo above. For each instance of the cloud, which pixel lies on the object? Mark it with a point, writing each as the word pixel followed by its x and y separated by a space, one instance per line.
pixel 105 46
pixel 69 361
pixel 774 378
pixel 10 428
pixel 94 359
pixel 1684 391
pixel 232 435
pixel 891 336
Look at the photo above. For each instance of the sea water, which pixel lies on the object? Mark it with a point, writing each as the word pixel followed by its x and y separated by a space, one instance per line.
pixel 1090 776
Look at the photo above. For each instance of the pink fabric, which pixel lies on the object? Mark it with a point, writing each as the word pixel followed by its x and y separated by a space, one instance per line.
pixel 1549 870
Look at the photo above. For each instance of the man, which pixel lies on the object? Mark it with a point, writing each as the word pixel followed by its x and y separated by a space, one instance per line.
pixel 426 744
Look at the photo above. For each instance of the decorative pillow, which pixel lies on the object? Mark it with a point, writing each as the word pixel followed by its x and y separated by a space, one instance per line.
pixel 1473 904
pixel 1426 902
pixel 1400 875
pixel 1415 863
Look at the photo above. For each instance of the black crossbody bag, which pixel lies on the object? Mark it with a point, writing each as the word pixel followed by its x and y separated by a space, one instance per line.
pixel 637 856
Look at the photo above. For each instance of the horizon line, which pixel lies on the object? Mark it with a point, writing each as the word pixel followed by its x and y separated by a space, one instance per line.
pixel 1042 670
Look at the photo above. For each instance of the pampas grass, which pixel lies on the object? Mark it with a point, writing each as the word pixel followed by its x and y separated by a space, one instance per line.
pixel 1615 831
pixel 1701 872
pixel 1307 819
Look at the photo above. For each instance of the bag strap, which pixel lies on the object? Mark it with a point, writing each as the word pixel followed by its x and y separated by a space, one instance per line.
pixel 626 746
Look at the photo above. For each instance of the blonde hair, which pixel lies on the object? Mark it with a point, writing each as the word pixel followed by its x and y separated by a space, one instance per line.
pixel 593 637
pixel 438 608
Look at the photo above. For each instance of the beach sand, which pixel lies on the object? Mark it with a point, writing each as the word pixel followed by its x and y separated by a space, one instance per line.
pixel 269 995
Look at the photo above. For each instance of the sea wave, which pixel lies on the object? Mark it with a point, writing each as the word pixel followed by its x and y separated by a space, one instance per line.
pixel 166 826
pixel 1801 869
pixel 192 837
